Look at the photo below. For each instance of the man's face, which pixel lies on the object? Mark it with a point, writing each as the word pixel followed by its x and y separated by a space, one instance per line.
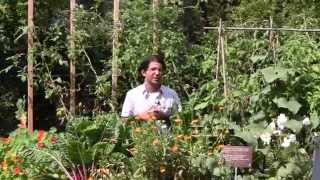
pixel 153 74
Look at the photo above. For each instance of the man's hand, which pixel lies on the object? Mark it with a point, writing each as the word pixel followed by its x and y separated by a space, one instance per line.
pixel 152 114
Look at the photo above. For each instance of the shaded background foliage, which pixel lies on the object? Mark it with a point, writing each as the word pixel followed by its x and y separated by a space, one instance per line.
pixel 190 52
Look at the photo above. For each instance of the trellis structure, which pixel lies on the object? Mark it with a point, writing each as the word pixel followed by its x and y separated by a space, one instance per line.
pixel 221 44
pixel 115 52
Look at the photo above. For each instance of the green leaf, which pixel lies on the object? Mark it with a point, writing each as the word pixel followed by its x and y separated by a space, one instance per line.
pixel 258 116
pixel 257 58
pixel 292 105
pixel 247 136
pixel 289 169
pixel 294 125
pixel 270 74
pixel 264 151
pixel 314 120
pixel 201 106
pixel 210 163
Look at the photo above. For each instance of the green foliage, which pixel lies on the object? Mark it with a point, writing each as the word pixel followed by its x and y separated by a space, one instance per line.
pixel 272 101
pixel 21 155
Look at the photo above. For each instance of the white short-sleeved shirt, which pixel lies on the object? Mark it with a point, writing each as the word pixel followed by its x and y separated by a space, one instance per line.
pixel 139 100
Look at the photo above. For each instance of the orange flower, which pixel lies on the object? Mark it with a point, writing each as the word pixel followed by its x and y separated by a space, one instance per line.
pixel 174 148
pixel 23 121
pixel 180 137
pixel 137 130
pixel 149 116
pixel 219 146
pixel 132 151
pixel 14 158
pixel 194 121
pixel 16 170
pixel 178 121
pixel 113 140
pixel 156 142
pixel 187 138
pixel 5 140
pixel 53 139
pixel 162 168
pixel 105 171
pixel 40 136
pixel 4 165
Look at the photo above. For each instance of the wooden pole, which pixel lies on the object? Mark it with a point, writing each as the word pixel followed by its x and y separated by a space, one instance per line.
pixel 156 36
pixel 225 91
pixel 218 49
pixel 30 65
pixel 115 52
pixel 72 62
pixel 271 41
pixel 270 33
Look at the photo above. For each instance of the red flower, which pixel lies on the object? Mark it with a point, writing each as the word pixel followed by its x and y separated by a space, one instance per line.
pixel 16 170
pixel 40 136
pixel 40 145
pixel 53 139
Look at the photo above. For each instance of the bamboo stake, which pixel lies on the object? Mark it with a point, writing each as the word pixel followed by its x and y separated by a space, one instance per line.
pixel 115 53
pixel 156 38
pixel 271 41
pixel 218 49
pixel 72 62
pixel 30 65
pixel 223 63
pixel 270 33
pixel 265 29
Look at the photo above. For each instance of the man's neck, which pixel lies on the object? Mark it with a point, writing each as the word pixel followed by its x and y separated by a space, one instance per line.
pixel 152 87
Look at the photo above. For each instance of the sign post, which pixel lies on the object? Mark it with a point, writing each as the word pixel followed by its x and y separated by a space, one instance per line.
pixel 237 157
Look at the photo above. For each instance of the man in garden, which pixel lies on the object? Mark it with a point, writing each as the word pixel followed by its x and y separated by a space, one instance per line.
pixel 151 100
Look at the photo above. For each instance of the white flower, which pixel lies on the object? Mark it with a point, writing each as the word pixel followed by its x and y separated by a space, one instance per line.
pixel 291 138
pixel 281 120
pixel 281 126
pixel 266 138
pixel 306 121
pixel 276 132
pixel 285 144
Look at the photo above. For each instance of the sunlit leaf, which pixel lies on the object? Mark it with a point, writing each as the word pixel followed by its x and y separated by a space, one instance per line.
pixel 292 104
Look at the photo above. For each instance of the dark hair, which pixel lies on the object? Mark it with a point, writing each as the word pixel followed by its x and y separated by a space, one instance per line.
pixel 145 64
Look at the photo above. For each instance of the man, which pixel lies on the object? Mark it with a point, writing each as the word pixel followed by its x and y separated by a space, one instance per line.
pixel 151 100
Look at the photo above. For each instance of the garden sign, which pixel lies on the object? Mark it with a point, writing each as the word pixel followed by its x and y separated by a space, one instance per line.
pixel 238 156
